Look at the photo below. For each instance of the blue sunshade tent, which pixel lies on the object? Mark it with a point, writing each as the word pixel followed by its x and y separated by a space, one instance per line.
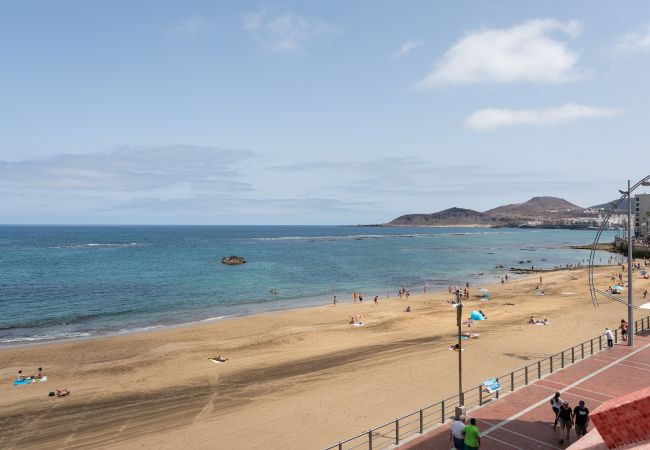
pixel 476 316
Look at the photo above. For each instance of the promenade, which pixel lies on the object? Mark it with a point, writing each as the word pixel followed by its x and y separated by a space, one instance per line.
pixel 523 419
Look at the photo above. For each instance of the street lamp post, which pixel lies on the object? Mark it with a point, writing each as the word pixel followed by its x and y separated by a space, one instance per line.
pixel 630 246
pixel 460 410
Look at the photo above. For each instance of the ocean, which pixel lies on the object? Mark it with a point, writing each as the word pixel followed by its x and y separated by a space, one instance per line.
pixel 62 282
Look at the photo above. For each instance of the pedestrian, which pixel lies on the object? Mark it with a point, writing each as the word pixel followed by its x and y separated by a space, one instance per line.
pixel 425 288
pixel 334 300
pixel 565 418
pixel 354 297
pixel 540 279
pixel 456 435
pixel 610 337
pixel 360 298
pixel 556 402
pixel 624 329
pixel 506 277
pixel 645 293
pixel 472 435
pixel 581 418
pixel 376 300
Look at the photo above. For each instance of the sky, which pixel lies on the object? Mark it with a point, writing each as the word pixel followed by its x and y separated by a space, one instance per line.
pixel 215 112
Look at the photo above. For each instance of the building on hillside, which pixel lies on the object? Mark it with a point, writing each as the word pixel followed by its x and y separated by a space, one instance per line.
pixel 641 214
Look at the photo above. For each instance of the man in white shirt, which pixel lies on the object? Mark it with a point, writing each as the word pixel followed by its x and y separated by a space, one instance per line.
pixel 456 434
pixel 610 337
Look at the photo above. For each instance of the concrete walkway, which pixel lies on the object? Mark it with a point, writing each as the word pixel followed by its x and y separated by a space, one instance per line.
pixel 524 418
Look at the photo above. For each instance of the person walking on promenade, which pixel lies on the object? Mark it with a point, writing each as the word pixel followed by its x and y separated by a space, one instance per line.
pixel 610 337
pixel 565 417
pixel 581 418
pixel 624 329
pixel 556 402
pixel 472 435
pixel 456 435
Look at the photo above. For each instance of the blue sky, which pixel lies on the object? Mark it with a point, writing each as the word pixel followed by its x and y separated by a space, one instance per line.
pixel 315 112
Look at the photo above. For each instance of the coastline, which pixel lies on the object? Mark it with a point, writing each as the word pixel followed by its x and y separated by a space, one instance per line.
pixel 303 368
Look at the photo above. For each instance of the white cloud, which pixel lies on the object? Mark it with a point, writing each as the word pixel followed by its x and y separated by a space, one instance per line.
pixel 407 47
pixel 638 41
pixel 286 32
pixel 489 119
pixel 190 27
pixel 524 52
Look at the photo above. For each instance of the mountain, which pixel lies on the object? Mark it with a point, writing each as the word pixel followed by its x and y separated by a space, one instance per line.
pixel 536 212
pixel 534 207
pixel 621 209
pixel 451 216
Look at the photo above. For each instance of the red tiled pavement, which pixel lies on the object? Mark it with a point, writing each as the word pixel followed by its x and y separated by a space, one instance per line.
pixel 523 419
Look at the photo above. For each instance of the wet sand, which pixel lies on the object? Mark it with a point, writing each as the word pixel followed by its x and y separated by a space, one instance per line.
pixel 295 379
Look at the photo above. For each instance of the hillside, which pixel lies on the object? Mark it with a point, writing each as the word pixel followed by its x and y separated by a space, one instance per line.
pixel 451 216
pixel 536 212
pixel 534 207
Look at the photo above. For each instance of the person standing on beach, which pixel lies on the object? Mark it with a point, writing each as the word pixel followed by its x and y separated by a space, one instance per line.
pixel 360 298
pixel 610 337
pixel 556 402
pixel 334 300
pixel 624 330
pixel 581 418
pixel 456 435
pixel 354 297
pixel 540 279
pixel 472 435
pixel 376 300
pixel 506 277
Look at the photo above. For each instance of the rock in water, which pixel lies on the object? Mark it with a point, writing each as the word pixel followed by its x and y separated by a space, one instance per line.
pixel 232 260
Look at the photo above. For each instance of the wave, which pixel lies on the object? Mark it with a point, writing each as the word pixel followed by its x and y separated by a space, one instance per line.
pixel 97 245
pixel 45 337
pixel 74 319
pixel 379 236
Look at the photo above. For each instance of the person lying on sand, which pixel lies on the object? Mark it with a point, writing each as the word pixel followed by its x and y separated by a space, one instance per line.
pixel 470 335
pixel 219 358
pixel 356 319
pixel 532 320
pixel 60 393
pixel 509 304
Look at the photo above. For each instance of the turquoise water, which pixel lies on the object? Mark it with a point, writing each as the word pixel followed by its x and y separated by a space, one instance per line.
pixel 75 281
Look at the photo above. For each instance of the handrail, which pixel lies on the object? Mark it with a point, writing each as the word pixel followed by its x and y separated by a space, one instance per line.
pixel 394 431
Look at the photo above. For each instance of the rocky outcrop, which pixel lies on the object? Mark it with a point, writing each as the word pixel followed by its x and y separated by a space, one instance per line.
pixel 233 260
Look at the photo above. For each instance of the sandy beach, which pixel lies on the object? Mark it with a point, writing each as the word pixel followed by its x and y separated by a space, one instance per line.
pixel 295 379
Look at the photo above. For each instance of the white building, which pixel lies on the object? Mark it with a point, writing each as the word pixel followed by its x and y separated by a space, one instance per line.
pixel 641 214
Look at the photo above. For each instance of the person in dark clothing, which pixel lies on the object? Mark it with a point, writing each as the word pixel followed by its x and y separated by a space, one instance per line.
pixel 581 418
pixel 565 418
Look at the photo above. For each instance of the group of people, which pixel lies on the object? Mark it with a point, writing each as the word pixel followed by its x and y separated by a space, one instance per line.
pixel 567 417
pixel 465 437
pixel 39 375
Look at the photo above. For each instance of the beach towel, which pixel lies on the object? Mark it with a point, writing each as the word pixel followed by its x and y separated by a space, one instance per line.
pixel 357 324
pixel 29 381
pixel 491 385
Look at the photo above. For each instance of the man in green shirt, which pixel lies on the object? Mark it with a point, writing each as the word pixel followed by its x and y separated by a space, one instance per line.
pixel 472 436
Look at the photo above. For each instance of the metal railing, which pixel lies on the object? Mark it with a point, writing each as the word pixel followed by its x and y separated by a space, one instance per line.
pixel 393 432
